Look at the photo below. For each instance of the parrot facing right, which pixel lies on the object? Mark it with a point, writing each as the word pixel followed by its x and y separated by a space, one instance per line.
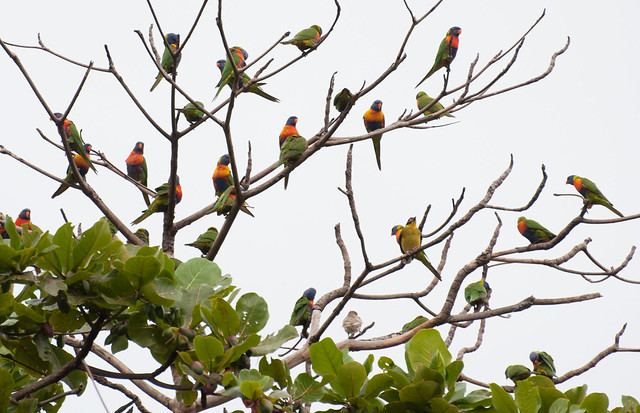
pixel 290 150
pixel 533 231
pixel 305 39
pixel 288 130
pixel 75 140
pixel 342 99
pixel 476 294
pixel 205 240
pixel 352 323
pixel 446 52
pixel 137 168
pixel 301 315
pixel 374 120
pixel 173 40
pixel 590 191
pixel 542 363
pixel 517 372
pixel 161 201
pixel 423 100
pixel 409 238
pixel 191 113
pixel 83 168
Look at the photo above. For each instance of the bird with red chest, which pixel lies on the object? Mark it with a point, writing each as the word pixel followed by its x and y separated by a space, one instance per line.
pixel 289 129
pixel 137 167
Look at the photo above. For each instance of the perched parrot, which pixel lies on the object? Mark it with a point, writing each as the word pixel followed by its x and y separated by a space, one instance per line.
pixel 352 323
pixel 75 140
pixel 374 120
pixel 290 150
pixel 205 240
pixel 191 113
pixel 419 320
pixel 223 185
pixel 288 130
pixel 225 202
pixel 173 40
pixel 533 231
pixel 161 201
pixel 254 88
pixel 301 315
pixel 3 232
pixel 143 235
pixel 542 364
pixel 476 294
pixel 306 38
pixel 83 168
pixel 112 228
pixel 409 238
pixel 342 99
pixel 446 52
pixel 590 191
pixel 517 372
pixel 423 100
pixel 137 167
pixel 239 56
pixel 24 218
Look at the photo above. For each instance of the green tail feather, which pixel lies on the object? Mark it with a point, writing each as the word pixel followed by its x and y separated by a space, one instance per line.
pixel 146 198
pixel 157 82
pixel 60 190
pixel 423 259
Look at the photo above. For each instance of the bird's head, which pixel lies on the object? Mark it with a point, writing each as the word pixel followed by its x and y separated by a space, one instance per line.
pixel 395 229
pixel 25 214
pixel 309 293
pixel 520 219
pixel 240 51
pixel 454 31
pixel 220 63
pixel 420 94
pixel 87 147
pixel 377 105
pixel 317 28
pixel 485 285
pixel 139 148
pixel 224 160
pixel 143 231
pixel 534 357
pixel 411 220
pixel 570 179
pixel 292 121
pixel 173 39
pixel 58 115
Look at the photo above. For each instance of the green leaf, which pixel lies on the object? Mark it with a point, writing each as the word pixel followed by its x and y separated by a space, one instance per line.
pixel 251 390
pixel 325 357
pixel 196 280
pixel 208 349
pixel 452 372
pixel 25 353
pixel 424 346
pixel 24 311
pixel 95 238
pixel 377 384
pixel 8 258
pixel 420 393
pixel 439 405
pixel 75 378
pixel 306 389
pixel 502 400
pixel 221 317
pixel 595 403
pixel 119 344
pixel 141 270
pixel 149 292
pixel 51 285
pixel 272 343
pixel 253 312
pixel 561 405
pixel 351 377
pixel 276 369
pixel 62 255
pixel 6 387
pixel 188 397
pixel 577 394
pixel 528 397
pixel 368 363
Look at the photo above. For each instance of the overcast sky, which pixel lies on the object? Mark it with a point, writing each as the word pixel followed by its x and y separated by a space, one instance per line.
pixel 581 120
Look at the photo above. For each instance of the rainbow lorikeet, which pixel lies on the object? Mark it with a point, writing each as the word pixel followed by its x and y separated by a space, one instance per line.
pixel 446 52
pixel 24 218
pixel 191 113
pixel 352 323
pixel 161 201
pixel 542 364
pixel 476 294
pixel 173 40
pixel 3 232
pixel 374 120
pixel 83 168
pixel 517 372
pixel 137 168
pixel 590 191
pixel 143 235
pixel 342 99
pixel 239 55
pixel 305 39
pixel 289 129
pixel 244 79
pixel 419 320
pixel 205 240
pixel 75 140
pixel 409 238
pixel 290 150
pixel 301 315
pixel 533 231
pixel 423 100
pixel 223 184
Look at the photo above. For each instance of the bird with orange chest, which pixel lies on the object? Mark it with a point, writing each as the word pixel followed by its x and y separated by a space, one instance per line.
pixel 70 179
pixel 289 129
pixel 137 167
pixel 446 52
pixel 222 181
pixel 590 191
pixel 24 218
pixel 374 120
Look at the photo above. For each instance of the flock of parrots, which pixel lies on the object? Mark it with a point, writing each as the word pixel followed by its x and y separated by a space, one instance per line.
pixel 292 146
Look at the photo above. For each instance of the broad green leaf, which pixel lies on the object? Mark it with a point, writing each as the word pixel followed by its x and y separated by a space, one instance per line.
pixel 629 403
pixel 276 369
pixel 452 372
pixel 25 353
pixel 197 279
pixel 188 397
pixel 439 405
pixel 502 401
pixel 220 317
pixel 235 352
pixel 272 343
pixel 351 377
pixel 51 285
pixel 427 374
pixel 424 346
pixel 141 270
pixel 8 257
pixel 549 395
pixel 528 397
pixel 561 405
pixel 27 312
pixel 149 292
pixel 476 398
pixel 75 378
pixel 207 350
pixel 306 389
pixel 368 363
pixel 377 384
pixel 595 403
pixel 95 238
pixel 325 357
pixel 577 394
pixel 251 390
pixel 6 387
pixel 253 312
pixel 420 393
pixel 119 344
pixel 65 240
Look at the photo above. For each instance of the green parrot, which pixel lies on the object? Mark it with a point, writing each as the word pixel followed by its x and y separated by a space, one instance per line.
pixel 533 231
pixel 205 240
pixel 173 40
pixel 409 238
pixel 476 294
pixel 423 100
pixel 143 235
pixel 301 315
pixel 239 55
pixel 374 120
pixel 517 372
pixel 342 99
pixel 305 39
pixel 159 204
pixel 82 167
pixel 542 364
pixel 75 140
pixel 590 191
pixel 245 78
pixel 191 113
pixel 419 320
pixel 292 148
pixel 446 52
pixel 137 167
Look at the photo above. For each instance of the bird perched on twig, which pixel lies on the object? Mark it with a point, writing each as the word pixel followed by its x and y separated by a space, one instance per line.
pixel 446 52
pixel 542 364
pixel 70 179
pixel 301 315
pixel 173 40
pixel 374 120
pixel 476 294
pixel 409 238
pixel 305 39
pixel 533 231
pixel 352 323
pixel 137 168
pixel 590 191
pixel 205 240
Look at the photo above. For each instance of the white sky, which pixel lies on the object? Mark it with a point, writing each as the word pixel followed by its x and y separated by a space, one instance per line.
pixel 580 120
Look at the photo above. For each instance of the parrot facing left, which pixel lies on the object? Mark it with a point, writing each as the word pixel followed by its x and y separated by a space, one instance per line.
pixel 542 364
pixel 173 40
pixel 75 140
pixel 301 315
pixel 205 240
pixel 83 168
pixel 476 294
pixel 222 182
pixel 446 52
pixel 290 150
pixel 423 100
pixel 409 238
pixel 374 120
pixel 137 168
pixel 244 79
pixel 590 191
pixel 305 39
pixel 533 231
pixel 161 201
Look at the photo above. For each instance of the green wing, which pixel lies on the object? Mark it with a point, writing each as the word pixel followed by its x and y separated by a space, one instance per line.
pixel 300 312
pixel 475 292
